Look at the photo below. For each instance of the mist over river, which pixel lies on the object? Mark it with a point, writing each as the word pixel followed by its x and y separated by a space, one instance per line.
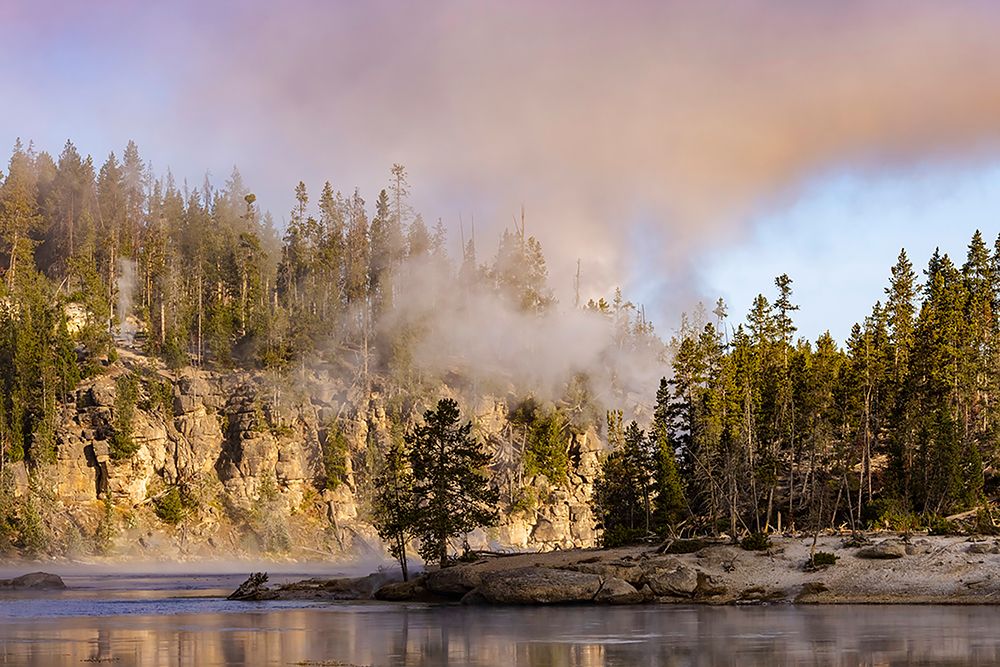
pixel 185 620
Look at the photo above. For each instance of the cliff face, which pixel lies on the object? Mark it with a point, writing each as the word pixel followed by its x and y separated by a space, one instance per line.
pixel 248 458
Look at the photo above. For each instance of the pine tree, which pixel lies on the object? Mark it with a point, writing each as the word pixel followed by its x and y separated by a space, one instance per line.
pixel 451 486
pixel 19 214
pixel 669 505
pixel 394 503
pixel 620 510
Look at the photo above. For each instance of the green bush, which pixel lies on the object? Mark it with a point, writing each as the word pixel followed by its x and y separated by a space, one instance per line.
pixel 525 501
pixel 122 444
pixel 173 506
pixel 173 353
pixel 756 542
pixel 547 437
pixel 938 525
pixel 35 537
pixel 160 398
pixel 621 536
pixel 268 520
pixel 821 559
pixel 104 536
pixel 8 512
pixel 336 449
pixel 984 524
pixel 890 514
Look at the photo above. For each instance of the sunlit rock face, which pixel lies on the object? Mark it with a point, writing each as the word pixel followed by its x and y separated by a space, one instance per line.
pixel 249 457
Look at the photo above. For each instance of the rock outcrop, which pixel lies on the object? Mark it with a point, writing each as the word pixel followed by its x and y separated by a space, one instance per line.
pixel 248 456
pixel 37 581
pixel 539 585
pixel 676 581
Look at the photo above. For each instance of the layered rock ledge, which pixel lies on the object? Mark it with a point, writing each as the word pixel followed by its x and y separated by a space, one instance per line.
pixel 881 569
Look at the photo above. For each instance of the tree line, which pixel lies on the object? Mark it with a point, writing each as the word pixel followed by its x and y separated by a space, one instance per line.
pixel 898 428
pixel 755 427
pixel 207 279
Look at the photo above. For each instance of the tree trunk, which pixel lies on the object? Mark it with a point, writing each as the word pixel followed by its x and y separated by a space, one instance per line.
pixel 199 320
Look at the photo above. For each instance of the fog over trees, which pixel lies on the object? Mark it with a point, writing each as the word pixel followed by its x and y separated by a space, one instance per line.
pixel 896 425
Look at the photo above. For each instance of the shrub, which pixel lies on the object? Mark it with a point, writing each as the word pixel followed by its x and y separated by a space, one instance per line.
pixel 269 521
pixel 169 507
pixel 756 542
pixel 621 536
pixel 8 512
pixel 984 524
pixel 35 538
pixel 122 444
pixel 336 449
pixel 175 505
pixel 104 536
pixel 938 525
pixel 821 559
pixel 525 501
pixel 160 398
pixel 547 437
pixel 173 353
pixel 890 514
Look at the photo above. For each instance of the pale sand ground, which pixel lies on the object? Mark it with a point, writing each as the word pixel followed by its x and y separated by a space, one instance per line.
pixel 936 569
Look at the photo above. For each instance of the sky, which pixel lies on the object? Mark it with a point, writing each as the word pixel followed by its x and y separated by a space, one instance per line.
pixel 681 150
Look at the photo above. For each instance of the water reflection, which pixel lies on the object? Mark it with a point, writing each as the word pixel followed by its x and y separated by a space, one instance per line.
pixel 418 636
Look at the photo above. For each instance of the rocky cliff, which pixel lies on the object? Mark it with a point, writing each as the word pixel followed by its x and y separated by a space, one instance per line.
pixel 237 464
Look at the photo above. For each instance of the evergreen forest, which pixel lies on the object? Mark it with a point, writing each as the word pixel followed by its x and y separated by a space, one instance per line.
pixel 751 428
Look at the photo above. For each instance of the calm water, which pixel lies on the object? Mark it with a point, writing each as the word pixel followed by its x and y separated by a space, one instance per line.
pixel 169 620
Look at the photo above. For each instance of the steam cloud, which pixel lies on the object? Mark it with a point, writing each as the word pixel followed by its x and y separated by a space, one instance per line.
pixel 683 116
pixel 489 341
pixel 636 134
pixel 125 285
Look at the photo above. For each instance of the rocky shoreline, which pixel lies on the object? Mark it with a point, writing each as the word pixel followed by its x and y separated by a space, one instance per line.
pixel 883 569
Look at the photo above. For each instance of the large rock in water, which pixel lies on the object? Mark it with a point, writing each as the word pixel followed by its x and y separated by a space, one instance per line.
pixel 346 588
pixel 680 581
pixel 39 581
pixel 452 581
pixel 618 591
pixel 539 585
pixel 884 549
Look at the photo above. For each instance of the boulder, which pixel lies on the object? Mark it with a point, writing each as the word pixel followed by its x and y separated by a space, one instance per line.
pixel 348 588
pixel 403 591
pixel 452 581
pixel 539 585
pixel 628 571
pixel 883 550
pixel 681 581
pixel 184 403
pixel 474 597
pixel 982 548
pixel 708 587
pixel 618 591
pixel 38 581
pixel 103 392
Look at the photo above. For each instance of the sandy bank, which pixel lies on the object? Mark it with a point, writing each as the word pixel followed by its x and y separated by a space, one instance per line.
pixel 890 569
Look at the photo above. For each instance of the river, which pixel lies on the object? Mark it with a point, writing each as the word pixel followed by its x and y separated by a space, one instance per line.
pixel 185 620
